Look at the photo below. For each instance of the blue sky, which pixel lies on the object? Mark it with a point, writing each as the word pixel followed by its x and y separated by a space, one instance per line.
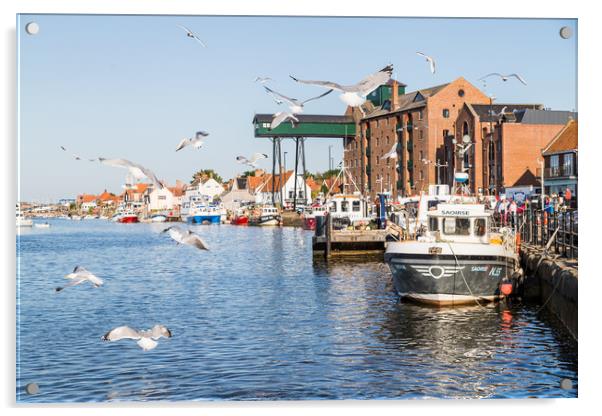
pixel 134 86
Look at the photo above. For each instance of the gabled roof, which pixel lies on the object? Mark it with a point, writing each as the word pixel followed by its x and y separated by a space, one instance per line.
pixel 529 116
pixel 565 141
pixel 483 111
pixel 267 181
pixel 88 198
pixel 106 196
pixel 408 101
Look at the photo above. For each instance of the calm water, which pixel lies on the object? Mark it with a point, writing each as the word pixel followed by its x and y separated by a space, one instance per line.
pixel 256 319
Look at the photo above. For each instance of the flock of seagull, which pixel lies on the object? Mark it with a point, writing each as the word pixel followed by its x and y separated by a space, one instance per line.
pixel 352 95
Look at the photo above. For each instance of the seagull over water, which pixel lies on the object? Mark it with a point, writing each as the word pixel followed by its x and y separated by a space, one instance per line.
pixel 429 59
pixel 253 160
pixel 136 170
pixel 187 237
pixel 505 77
pixel 191 34
pixel 196 141
pixel 81 275
pixel 355 95
pixel 147 339
pixel 391 154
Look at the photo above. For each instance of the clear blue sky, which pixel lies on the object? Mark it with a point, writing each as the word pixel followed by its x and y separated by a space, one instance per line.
pixel 134 86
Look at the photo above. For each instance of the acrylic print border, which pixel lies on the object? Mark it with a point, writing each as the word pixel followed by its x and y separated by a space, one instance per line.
pixel 151 409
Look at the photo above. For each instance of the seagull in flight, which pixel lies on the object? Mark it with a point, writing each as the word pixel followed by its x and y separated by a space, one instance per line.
pixel 253 160
pixel 263 80
pixel 191 34
pixel 76 157
pixel 182 236
pixel 146 339
pixel 294 104
pixel 429 59
pixel 501 113
pixel 81 275
pixel 355 95
pixel 505 77
pixel 391 154
pixel 196 141
pixel 282 116
pixel 136 170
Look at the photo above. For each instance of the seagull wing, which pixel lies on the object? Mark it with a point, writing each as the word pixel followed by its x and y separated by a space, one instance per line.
pixel 121 332
pixel 159 331
pixel 518 77
pixel 186 29
pixel 62 147
pixel 95 280
pixel 278 119
pixel 194 240
pixel 257 156
pixel 276 94
pixel 373 81
pixel 493 73
pixel 422 54
pixel 326 84
pixel 201 133
pixel 319 96
pixel 183 144
pixel 432 63
pixel 175 232
pixel 73 282
pixel 199 40
pixel 138 171
pixel 391 153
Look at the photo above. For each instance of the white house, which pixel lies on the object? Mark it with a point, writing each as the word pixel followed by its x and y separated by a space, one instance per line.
pixel 238 195
pixel 263 193
pixel 210 188
pixel 160 199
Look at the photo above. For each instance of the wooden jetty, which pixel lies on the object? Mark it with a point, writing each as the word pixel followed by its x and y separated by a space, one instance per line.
pixel 328 241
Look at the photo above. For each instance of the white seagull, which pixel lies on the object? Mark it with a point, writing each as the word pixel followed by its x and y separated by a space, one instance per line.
pixel 263 80
pixel 391 154
pixel 429 59
pixel 501 113
pixel 196 141
pixel 186 237
pixel 355 95
pixel 294 104
pixel 191 34
pixel 81 275
pixel 505 77
pixel 147 339
pixel 253 160
pixel 136 170
pixel 282 116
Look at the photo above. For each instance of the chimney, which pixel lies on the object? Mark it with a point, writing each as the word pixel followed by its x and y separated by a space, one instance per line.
pixel 395 96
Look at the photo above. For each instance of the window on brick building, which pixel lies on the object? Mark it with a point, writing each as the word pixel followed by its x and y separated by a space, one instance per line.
pixel 387 140
pixel 445 113
pixel 420 115
pixel 421 135
pixel 445 134
pixel 461 93
pixel 421 175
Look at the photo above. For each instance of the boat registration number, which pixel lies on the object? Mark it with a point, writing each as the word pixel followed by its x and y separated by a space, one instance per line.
pixel 435 250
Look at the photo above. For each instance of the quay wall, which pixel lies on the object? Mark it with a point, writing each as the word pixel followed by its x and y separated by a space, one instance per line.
pixel 554 283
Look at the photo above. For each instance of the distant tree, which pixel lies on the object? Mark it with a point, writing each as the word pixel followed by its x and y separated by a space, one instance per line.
pixel 327 174
pixel 248 173
pixel 205 174
pixel 324 189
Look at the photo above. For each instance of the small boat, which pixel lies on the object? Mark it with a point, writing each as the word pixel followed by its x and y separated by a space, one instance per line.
pixel 459 260
pixel 41 225
pixel 347 209
pixel 309 217
pixel 204 214
pixel 76 218
pixel 128 217
pixel 267 215
pixel 240 218
pixel 158 218
pixel 23 221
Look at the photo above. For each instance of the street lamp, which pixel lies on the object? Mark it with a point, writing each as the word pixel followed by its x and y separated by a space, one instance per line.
pixel 285 161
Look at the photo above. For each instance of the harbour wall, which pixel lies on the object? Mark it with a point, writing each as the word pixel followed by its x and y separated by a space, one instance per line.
pixel 553 282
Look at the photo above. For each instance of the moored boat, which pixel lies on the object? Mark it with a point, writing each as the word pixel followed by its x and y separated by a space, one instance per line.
pixel 204 214
pixel 266 216
pixel 459 259
pixel 241 217
pixel 309 217
pixel 128 217
pixel 23 221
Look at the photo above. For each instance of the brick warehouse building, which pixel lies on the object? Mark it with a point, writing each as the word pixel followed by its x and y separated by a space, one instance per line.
pixel 418 124
pixel 508 157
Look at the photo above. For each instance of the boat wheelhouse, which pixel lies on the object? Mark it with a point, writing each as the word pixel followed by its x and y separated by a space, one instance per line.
pixel 265 215
pixel 460 259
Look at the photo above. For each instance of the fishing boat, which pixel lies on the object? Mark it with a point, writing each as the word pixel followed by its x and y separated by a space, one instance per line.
pixel 347 209
pixel 309 216
pixel 128 217
pixel 200 213
pixel 266 215
pixel 241 217
pixel 460 259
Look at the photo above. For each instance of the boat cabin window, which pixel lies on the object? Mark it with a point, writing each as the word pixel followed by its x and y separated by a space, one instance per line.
pixel 344 206
pixel 333 206
pixel 456 226
pixel 480 227
pixel 356 206
pixel 433 224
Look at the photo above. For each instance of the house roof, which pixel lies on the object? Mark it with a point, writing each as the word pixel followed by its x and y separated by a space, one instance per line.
pixel 106 196
pixel 88 198
pixel 176 190
pixel 254 182
pixel 267 181
pixel 529 116
pixel 566 139
pixel 483 111
pixel 313 185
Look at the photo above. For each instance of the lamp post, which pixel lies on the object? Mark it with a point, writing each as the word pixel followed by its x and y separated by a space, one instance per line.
pixel 330 157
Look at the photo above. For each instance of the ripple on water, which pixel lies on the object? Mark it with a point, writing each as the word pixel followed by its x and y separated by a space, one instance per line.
pixel 256 318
